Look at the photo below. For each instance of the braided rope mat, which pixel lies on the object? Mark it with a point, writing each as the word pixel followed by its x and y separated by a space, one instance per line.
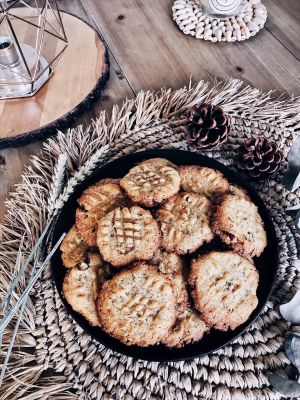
pixel 192 20
pixel 50 340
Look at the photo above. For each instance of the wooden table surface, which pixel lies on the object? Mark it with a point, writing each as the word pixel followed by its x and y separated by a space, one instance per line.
pixel 148 51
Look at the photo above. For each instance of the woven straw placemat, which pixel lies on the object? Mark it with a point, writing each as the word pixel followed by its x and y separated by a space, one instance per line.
pixel 49 339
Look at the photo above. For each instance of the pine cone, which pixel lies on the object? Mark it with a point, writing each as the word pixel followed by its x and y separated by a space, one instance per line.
pixel 259 158
pixel 207 126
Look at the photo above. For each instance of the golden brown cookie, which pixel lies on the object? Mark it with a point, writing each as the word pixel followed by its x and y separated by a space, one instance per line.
pixel 188 328
pixel 137 306
pixel 73 248
pixel 151 183
pixel 202 180
pixel 95 202
pixel 224 288
pixel 128 234
pixel 80 288
pixel 239 224
pixel 173 266
pixel 185 222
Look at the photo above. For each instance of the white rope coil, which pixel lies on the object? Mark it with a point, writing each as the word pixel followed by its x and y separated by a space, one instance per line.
pixel 191 20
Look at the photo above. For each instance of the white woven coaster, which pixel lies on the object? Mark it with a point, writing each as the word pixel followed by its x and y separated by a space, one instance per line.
pixel 190 18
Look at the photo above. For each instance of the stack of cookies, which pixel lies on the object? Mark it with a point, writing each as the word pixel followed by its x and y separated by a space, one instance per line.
pixel 137 265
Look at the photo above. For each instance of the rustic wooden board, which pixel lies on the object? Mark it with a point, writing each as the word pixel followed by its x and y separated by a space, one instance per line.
pixel 78 78
pixel 148 51
pixel 114 92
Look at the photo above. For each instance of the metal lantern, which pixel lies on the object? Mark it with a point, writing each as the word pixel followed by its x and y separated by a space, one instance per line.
pixel 32 40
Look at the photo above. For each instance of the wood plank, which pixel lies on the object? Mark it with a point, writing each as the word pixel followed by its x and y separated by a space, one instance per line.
pixel 153 52
pixel 283 23
pixel 116 90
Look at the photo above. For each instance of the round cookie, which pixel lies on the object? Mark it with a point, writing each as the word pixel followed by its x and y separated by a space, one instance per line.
pixel 224 288
pixel 185 222
pixel 94 203
pixel 173 266
pixel 188 328
pixel 202 180
pixel 137 306
pixel 80 288
pixel 151 182
pixel 128 234
pixel 73 248
pixel 239 224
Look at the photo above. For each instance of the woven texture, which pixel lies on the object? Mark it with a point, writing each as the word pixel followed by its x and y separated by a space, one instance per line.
pixel 192 20
pixel 84 368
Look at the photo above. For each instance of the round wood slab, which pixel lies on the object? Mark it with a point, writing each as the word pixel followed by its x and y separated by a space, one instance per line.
pixel 77 80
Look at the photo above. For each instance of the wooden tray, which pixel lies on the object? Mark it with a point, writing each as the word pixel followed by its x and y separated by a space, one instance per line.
pixel 77 80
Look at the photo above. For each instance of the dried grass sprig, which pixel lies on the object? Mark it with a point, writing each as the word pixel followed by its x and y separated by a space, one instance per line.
pixel 21 296
pixel 36 273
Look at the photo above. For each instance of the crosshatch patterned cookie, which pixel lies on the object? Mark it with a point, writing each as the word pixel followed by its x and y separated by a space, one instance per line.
pixel 128 234
pixel 151 183
pixel 224 288
pixel 188 328
pixel 185 222
pixel 239 224
pixel 202 180
pixel 80 288
pixel 73 248
pixel 172 265
pixel 137 306
pixel 94 203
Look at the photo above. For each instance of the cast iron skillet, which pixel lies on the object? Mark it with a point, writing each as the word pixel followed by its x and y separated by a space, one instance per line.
pixel 267 263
